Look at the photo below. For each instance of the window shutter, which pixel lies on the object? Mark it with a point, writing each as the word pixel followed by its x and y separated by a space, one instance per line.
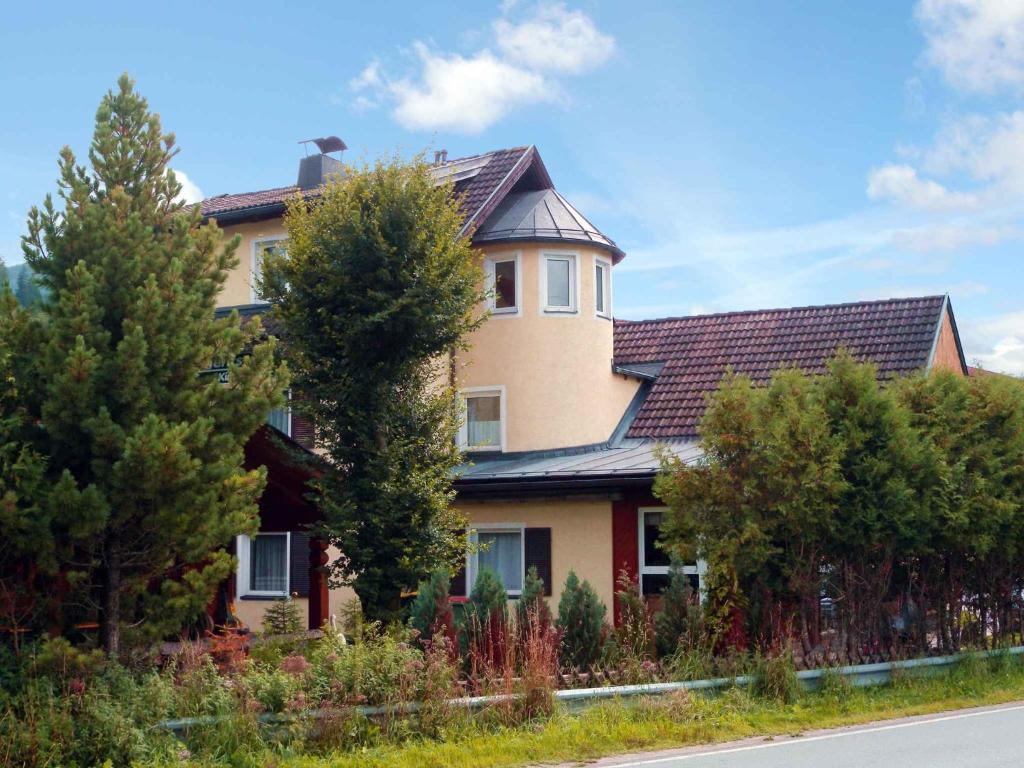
pixel 302 431
pixel 298 579
pixel 457 587
pixel 537 544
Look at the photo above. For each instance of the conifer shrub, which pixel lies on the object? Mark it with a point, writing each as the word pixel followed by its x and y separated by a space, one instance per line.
pixel 531 605
pixel 581 624
pixel 486 625
pixel 679 624
pixel 431 611
pixel 488 595
pixel 282 617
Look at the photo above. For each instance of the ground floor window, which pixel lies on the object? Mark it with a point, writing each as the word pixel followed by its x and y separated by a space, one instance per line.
pixel 500 550
pixel 263 565
pixel 654 561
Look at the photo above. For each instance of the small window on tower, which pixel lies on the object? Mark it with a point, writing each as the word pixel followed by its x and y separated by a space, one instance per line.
pixel 504 284
pixel 603 288
pixel 482 426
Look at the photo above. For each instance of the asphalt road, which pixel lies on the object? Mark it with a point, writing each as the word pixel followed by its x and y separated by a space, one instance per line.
pixel 988 737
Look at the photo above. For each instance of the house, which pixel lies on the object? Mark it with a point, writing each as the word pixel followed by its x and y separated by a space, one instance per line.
pixel 565 405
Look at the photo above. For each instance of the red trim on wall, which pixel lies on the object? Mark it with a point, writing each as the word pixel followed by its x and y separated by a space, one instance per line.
pixel 625 544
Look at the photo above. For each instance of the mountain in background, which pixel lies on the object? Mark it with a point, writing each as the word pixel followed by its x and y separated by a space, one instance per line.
pixel 25 289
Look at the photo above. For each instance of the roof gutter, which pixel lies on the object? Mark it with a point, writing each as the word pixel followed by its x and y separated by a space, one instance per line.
pixel 482 488
pixel 268 211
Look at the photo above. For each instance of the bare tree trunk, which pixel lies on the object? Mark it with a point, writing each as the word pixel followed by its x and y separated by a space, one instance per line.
pixel 110 606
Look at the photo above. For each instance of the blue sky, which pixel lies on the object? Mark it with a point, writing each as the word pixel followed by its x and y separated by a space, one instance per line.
pixel 744 154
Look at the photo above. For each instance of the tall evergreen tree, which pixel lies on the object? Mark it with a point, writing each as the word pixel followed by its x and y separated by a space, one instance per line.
pixel 26 290
pixel 131 280
pixel 376 288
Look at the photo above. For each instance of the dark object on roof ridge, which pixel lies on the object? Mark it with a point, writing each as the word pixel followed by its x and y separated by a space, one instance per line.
pixel 542 214
pixel 897 335
pixel 326 144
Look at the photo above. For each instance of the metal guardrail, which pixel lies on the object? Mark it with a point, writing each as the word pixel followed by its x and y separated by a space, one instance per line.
pixel 861 675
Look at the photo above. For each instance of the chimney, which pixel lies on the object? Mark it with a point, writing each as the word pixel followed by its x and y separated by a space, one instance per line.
pixel 440 156
pixel 316 170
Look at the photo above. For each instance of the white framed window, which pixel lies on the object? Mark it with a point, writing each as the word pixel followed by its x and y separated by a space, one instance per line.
pixel 603 288
pixel 483 425
pixel 559 283
pixel 281 418
pixel 654 561
pixel 500 548
pixel 261 248
pixel 264 564
pixel 504 285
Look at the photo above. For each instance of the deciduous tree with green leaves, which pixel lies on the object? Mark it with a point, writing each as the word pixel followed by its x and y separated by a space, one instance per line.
pixel 127 419
pixel 378 285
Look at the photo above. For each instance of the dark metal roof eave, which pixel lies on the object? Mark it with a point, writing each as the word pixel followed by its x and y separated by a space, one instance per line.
pixel 465 488
pixel 254 213
pixel 617 253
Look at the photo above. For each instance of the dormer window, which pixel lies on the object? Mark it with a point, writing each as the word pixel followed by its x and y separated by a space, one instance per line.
pixel 602 288
pixel 558 282
pixel 503 284
pixel 483 428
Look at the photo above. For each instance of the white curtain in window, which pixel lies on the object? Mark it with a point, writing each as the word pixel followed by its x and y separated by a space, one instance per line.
pixel 278 419
pixel 504 556
pixel 483 421
pixel 268 570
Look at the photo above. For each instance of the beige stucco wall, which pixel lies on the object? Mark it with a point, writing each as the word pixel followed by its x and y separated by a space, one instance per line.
pixel 555 368
pixel 947 356
pixel 581 537
pixel 250 612
pixel 238 288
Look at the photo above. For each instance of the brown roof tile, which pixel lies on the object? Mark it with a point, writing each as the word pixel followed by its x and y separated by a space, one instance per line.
pixel 476 189
pixel 896 335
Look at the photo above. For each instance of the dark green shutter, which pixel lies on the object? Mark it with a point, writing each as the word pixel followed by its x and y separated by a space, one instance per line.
pixel 298 576
pixel 537 544
pixel 457 588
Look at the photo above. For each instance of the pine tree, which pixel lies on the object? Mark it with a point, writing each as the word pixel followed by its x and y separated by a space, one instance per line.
pixel 581 623
pixel 282 617
pixel 531 602
pixel 679 616
pixel 431 611
pixel 131 280
pixel 27 290
pixel 378 285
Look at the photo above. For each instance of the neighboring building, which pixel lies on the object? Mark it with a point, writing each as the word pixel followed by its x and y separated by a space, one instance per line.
pixel 564 404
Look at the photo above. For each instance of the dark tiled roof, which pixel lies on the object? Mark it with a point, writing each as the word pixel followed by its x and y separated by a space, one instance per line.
pixel 476 179
pixel 214 206
pixel 897 335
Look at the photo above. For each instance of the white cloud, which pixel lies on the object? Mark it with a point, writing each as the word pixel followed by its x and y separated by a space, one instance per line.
pixel 464 94
pixel 996 343
pixel 468 93
pixel 901 184
pixel 190 193
pixel 978 45
pixel 555 39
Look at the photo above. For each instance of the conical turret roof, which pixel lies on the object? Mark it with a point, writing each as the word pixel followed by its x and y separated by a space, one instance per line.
pixel 543 215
